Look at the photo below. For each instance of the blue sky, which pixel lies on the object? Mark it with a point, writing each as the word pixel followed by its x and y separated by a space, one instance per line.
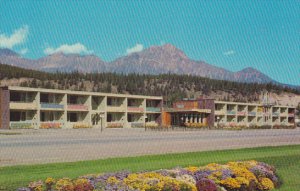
pixel 230 34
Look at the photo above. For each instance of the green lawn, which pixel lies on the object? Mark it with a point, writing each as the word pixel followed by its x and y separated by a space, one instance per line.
pixel 285 158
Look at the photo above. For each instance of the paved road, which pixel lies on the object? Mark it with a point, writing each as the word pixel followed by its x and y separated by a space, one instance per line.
pixel 44 146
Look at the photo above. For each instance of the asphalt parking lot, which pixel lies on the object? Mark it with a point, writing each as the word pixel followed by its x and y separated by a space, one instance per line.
pixel 47 146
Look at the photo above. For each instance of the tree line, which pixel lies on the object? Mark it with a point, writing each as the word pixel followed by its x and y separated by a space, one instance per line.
pixel 171 86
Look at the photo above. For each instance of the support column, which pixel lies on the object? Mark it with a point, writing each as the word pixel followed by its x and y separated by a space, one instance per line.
pixel 38 110
pixel 4 108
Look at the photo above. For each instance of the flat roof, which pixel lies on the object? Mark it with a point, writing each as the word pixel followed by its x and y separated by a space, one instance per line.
pixel 172 110
pixel 57 91
pixel 250 104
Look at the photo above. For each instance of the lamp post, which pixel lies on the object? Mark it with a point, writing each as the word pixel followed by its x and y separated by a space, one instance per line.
pixel 101 117
pixel 218 121
pixel 146 119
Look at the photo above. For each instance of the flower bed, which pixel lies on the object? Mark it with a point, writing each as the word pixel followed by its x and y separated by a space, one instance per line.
pixel 51 125
pixel 152 125
pixel 195 125
pixel 233 176
pixel 137 125
pixel 21 125
pixel 115 125
pixel 81 126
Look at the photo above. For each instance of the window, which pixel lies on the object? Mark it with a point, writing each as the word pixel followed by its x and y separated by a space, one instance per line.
pixel 72 117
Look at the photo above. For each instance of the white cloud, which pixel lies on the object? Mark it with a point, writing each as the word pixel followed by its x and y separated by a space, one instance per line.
pixel 19 36
pixel 229 53
pixel 136 48
pixel 77 48
pixel 24 51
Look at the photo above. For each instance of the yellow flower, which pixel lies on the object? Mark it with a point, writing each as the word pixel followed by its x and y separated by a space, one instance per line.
pixel 265 184
pixel 242 180
pixel 112 180
pixel 230 183
pixel 243 172
pixel 49 181
pixel 192 169
pixel 64 184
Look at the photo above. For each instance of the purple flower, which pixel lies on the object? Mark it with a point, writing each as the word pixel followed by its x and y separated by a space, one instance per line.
pixel 200 174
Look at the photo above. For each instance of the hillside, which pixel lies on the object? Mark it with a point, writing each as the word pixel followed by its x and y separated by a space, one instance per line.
pixel 154 60
pixel 171 86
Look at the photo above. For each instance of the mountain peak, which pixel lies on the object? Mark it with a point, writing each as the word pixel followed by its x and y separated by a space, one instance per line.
pixel 249 69
pixel 167 50
pixel 169 46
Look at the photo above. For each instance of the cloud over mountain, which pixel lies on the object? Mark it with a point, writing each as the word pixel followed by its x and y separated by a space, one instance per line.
pixel 18 37
pixel 137 48
pixel 77 48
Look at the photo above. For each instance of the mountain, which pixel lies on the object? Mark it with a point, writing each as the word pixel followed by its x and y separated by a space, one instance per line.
pixel 7 52
pixel 153 60
pixel 71 62
pixel 252 75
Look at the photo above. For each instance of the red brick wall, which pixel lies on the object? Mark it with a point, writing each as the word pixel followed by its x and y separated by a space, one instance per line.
pixel 186 105
pixel 208 104
pixel 4 108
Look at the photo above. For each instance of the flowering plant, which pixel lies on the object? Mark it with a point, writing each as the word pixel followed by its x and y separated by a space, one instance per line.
pixel 233 176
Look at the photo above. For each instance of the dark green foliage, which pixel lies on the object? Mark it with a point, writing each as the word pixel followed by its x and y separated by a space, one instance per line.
pixel 172 86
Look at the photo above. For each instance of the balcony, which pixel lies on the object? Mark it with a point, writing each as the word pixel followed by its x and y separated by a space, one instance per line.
pixel 78 107
pixel 23 105
pixel 231 112
pixel 252 113
pixel 241 113
pixel 275 114
pixel 52 106
pixel 115 109
pixel 153 109
pixel 283 114
pixel 291 115
pixel 220 112
pixel 135 109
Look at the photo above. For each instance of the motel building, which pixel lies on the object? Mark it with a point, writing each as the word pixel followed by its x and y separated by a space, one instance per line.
pixel 212 113
pixel 22 107
pixel 36 108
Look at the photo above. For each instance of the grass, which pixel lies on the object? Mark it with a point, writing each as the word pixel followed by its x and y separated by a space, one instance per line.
pixel 285 158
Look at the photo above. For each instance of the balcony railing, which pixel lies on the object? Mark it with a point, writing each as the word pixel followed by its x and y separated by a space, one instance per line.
pixel 115 109
pixel 21 124
pixel 78 107
pixel 51 106
pixel 291 115
pixel 276 114
pixel 242 113
pixel 220 112
pixel 283 114
pixel 153 109
pixel 135 109
pixel 231 112
pixel 252 113
pixel 23 105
